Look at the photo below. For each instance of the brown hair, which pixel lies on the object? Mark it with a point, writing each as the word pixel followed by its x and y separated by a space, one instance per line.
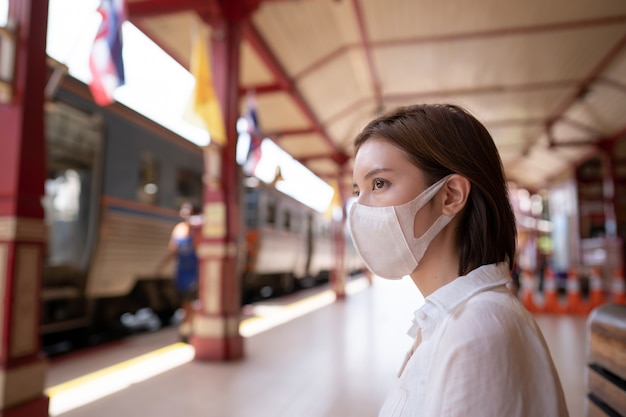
pixel 443 139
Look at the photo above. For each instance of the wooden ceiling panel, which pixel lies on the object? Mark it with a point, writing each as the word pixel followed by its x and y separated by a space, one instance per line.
pixel 501 61
pixel 276 112
pixel 572 152
pixel 524 105
pixel 391 20
pixel 304 145
pixel 602 108
pixel 301 33
pixel 337 85
pixel 565 131
pixel 173 33
pixel 617 70
pixel 511 135
pixel 536 167
pixel 345 129
pixel 324 168
pixel 252 71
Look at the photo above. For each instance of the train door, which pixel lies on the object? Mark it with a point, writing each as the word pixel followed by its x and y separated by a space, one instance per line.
pixel 72 188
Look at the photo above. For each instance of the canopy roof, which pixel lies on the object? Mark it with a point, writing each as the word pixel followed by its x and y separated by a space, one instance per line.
pixel 547 77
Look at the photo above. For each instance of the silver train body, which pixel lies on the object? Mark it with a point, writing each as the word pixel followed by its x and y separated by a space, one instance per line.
pixel 115 182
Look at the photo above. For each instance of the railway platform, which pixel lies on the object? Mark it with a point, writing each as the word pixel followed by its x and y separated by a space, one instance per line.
pixel 306 355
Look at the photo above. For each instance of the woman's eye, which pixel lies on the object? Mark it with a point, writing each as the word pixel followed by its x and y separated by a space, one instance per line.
pixel 378 184
pixel 356 193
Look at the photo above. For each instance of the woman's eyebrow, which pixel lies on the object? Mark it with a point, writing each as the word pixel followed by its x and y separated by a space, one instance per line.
pixel 376 171
pixel 372 173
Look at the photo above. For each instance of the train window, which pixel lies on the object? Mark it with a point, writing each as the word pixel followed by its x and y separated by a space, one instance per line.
pixel 147 187
pixel 271 213
pixel 188 187
pixel 287 220
pixel 296 221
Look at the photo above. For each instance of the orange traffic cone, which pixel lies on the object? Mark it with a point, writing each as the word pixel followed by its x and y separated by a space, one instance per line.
pixel 527 284
pixel 596 289
pixel 619 287
pixel 574 299
pixel 551 297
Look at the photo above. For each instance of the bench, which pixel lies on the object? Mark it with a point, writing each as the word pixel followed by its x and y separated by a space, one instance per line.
pixel 606 371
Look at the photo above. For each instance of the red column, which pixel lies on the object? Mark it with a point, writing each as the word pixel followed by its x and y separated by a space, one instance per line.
pixel 338 274
pixel 216 325
pixel 22 230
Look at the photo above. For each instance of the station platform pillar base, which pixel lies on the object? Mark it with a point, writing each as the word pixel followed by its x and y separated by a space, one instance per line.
pixel 217 349
pixel 216 337
pixel 34 408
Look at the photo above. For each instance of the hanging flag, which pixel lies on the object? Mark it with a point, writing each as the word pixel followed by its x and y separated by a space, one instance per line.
pixel 335 202
pixel 254 149
pixel 105 61
pixel 205 102
pixel 250 114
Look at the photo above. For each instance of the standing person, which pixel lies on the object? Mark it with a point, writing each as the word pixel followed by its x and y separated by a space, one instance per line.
pixel 183 242
pixel 433 204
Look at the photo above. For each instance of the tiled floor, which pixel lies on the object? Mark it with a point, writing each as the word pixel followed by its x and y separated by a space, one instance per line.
pixel 338 361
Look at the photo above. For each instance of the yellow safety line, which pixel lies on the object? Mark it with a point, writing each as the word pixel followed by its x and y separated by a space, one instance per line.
pixel 65 386
pixel 57 389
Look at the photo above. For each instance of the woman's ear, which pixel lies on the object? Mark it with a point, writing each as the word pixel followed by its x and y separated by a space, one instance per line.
pixel 457 190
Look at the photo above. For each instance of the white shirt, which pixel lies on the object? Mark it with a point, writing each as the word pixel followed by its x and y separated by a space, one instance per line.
pixel 478 353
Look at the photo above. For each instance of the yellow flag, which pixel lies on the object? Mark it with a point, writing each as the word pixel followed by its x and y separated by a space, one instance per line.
pixel 336 200
pixel 205 101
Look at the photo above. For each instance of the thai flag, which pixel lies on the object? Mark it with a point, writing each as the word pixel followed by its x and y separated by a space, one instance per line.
pixel 254 149
pixel 105 62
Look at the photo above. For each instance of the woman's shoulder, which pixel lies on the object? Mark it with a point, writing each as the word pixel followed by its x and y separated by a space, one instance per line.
pixel 180 230
pixel 490 314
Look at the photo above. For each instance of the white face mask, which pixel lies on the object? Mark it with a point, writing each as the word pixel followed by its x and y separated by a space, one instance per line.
pixel 384 236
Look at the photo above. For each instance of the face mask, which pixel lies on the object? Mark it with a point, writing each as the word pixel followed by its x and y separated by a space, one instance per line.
pixel 384 236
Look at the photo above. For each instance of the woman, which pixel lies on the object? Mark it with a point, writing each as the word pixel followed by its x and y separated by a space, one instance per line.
pixel 433 204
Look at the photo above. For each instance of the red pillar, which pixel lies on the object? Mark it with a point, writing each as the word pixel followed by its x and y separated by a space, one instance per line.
pixel 216 325
pixel 338 273
pixel 22 230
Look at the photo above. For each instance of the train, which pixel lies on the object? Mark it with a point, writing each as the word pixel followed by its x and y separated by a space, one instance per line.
pixel 115 181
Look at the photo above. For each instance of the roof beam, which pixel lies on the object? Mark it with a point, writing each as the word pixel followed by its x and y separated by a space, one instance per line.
pixel 366 45
pixel 151 8
pixel 500 32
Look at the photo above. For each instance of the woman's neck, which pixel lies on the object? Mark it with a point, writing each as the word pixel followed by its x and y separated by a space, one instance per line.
pixel 439 266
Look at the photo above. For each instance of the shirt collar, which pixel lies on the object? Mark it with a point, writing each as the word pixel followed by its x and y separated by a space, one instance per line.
pixel 451 295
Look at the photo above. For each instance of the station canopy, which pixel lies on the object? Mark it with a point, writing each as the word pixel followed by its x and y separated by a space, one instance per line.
pixel 547 77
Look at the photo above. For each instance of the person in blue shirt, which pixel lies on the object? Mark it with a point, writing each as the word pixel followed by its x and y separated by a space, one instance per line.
pixel 182 246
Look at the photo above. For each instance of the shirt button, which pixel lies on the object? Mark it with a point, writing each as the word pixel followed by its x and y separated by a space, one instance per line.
pixel 420 315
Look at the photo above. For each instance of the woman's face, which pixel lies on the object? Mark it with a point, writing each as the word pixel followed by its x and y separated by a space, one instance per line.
pixel 383 176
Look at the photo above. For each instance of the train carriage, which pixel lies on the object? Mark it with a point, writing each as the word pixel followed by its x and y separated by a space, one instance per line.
pixel 115 182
